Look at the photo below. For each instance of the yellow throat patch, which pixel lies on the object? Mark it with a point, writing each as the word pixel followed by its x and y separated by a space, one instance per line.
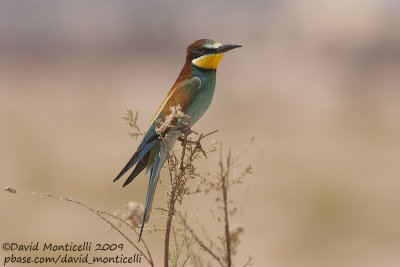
pixel 209 62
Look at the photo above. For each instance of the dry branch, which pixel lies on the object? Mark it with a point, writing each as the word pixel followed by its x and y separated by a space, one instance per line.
pixel 99 213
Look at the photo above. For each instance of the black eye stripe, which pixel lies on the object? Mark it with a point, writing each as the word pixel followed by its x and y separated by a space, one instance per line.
pixel 198 52
pixel 210 50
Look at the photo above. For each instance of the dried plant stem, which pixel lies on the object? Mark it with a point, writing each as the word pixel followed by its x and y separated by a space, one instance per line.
pixel 99 213
pixel 224 181
pixel 199 241
pixel 170 215
pixel 178 181
pixel 132 121
pixel 172 199
pixel 132 228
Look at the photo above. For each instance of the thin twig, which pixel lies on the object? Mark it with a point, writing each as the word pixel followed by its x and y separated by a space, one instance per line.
pixel 168 226
pixel 197 143
pixel 197 239
pixel 131 227
pixel 179 180
pixel 132 122
pixel 171 202
pixel 249 262
pixel 99 213
pixel 224 181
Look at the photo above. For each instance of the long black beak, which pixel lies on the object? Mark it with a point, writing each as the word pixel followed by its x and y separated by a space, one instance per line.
pixel 227 47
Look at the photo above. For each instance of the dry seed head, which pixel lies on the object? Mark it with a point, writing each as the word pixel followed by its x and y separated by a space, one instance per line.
pixel 235 231
pixel 132 213
pixel 175 113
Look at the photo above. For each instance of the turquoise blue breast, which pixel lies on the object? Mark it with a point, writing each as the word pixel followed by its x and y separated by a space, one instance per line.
pixel 203 99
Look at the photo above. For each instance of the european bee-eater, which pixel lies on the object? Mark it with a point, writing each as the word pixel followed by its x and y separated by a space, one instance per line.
pixel 193 92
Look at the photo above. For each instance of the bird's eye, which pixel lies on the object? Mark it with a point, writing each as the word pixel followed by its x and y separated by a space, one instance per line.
pixel 208 50
pixel 201 51
pixel 196 53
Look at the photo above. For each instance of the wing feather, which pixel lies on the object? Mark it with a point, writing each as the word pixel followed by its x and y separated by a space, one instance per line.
pixel 181 94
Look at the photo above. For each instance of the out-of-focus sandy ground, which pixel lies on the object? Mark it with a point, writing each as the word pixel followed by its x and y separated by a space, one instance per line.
pixel 317 83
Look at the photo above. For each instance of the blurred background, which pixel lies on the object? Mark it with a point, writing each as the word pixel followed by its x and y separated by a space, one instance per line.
pixel 316 83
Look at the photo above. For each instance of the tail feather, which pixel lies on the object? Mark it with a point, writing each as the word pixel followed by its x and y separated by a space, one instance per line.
pixel 139 154
pixel 138 169
pixel 155 173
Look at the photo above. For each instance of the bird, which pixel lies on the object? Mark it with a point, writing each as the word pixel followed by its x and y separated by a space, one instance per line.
pixel 192 92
